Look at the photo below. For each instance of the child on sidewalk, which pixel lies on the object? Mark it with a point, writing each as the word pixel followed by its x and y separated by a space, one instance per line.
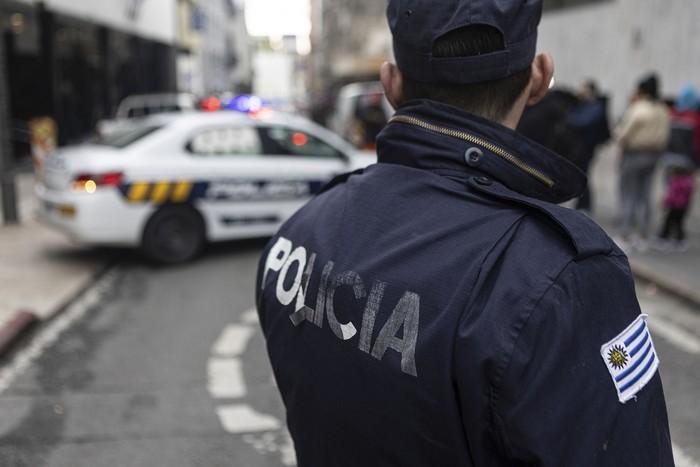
pixel 676 201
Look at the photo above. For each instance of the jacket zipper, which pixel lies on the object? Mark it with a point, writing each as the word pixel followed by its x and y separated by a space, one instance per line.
pixel 478 141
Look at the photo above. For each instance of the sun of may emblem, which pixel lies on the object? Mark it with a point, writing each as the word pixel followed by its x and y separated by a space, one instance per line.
pixel 617 356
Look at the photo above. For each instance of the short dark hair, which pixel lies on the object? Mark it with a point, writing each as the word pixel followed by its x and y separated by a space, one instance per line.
pixel 591 85
pixel 649 85
pixel 491 99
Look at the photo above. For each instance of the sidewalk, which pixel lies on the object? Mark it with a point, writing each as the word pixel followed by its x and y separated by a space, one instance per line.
pixel 674 272
pixel 41 270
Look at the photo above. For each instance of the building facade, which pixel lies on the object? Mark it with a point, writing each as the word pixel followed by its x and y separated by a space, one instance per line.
pixel 615 42
pixel 75 60
pixel 611 41
pixel 214 49
pixel 349 41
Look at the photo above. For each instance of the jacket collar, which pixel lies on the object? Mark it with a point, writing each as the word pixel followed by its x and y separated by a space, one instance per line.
pixel 442 138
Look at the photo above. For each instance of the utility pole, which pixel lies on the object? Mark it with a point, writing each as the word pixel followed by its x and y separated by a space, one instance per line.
pixel 7 178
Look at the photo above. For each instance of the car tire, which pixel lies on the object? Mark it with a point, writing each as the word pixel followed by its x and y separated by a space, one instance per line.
pixel 174 234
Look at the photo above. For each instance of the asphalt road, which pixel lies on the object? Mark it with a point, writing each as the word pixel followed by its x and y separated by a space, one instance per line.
pixel 167 367
pixel 675 327
pixel 152 367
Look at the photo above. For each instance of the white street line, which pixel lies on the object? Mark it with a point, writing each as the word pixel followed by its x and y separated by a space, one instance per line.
pixel 49 335
pixel 242 418
pixel 275 441
pixel 683 460
pixel 675 335
pixel 233 340
pixel 226 378
pixel 226 381
pixel 250 316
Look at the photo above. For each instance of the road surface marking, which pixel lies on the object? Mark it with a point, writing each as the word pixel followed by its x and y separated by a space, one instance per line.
pixel 682 459
pixel 226 378
pixel 250 317
pixel 675 335
pixel 274 442
pixel 233 340
pixel 51 333
pixel 241 418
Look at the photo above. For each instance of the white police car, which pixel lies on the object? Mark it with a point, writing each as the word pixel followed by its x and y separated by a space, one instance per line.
pixel 175 181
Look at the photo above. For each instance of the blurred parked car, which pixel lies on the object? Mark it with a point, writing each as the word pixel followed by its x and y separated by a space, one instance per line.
pixel 142 105
pixel 360 112
pixel 172 182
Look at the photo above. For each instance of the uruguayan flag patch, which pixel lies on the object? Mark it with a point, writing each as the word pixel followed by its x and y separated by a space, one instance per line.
pixel 631 359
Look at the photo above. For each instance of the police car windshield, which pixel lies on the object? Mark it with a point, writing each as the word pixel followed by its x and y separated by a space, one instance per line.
pixel 122 138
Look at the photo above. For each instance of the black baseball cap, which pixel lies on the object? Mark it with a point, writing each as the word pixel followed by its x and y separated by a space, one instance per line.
pixel 416 24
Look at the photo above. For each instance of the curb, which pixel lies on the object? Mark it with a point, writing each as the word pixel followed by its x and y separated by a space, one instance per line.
pixel 25 320
pixel 681 291
pixel 20 324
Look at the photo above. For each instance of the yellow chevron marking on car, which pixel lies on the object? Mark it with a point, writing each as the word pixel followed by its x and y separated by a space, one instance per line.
pixel 138 191
pixel 160 192
pixel 181 192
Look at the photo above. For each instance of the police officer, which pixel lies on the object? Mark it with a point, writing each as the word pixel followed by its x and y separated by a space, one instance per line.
pixel 440 308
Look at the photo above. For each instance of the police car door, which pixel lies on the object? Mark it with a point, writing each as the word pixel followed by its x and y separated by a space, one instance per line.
pixel 301 164
pixel 258 176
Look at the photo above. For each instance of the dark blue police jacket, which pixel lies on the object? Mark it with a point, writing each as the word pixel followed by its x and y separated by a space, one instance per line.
pixel 440 309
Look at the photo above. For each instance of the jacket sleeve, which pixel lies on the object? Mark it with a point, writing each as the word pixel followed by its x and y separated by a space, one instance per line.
pixel 557 402
pixel 586 116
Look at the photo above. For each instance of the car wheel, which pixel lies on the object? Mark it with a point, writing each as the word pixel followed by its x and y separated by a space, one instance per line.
pixel 173 234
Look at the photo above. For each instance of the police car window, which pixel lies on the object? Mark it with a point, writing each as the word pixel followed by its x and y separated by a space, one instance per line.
pixel 122 138
pixel 293 142
pixel 226 141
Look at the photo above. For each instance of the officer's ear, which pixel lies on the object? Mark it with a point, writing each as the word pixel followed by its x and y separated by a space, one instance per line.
pixel 542 73
pixel 392 82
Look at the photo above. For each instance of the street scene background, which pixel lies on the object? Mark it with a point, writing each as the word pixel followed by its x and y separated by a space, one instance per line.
pixel 107 359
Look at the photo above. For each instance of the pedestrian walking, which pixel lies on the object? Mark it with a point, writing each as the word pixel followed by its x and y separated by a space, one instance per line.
pixel 676 202
pixel 684 139
pixel 642 135
pixel 440 307
pixel 546 123
pixel 590 120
